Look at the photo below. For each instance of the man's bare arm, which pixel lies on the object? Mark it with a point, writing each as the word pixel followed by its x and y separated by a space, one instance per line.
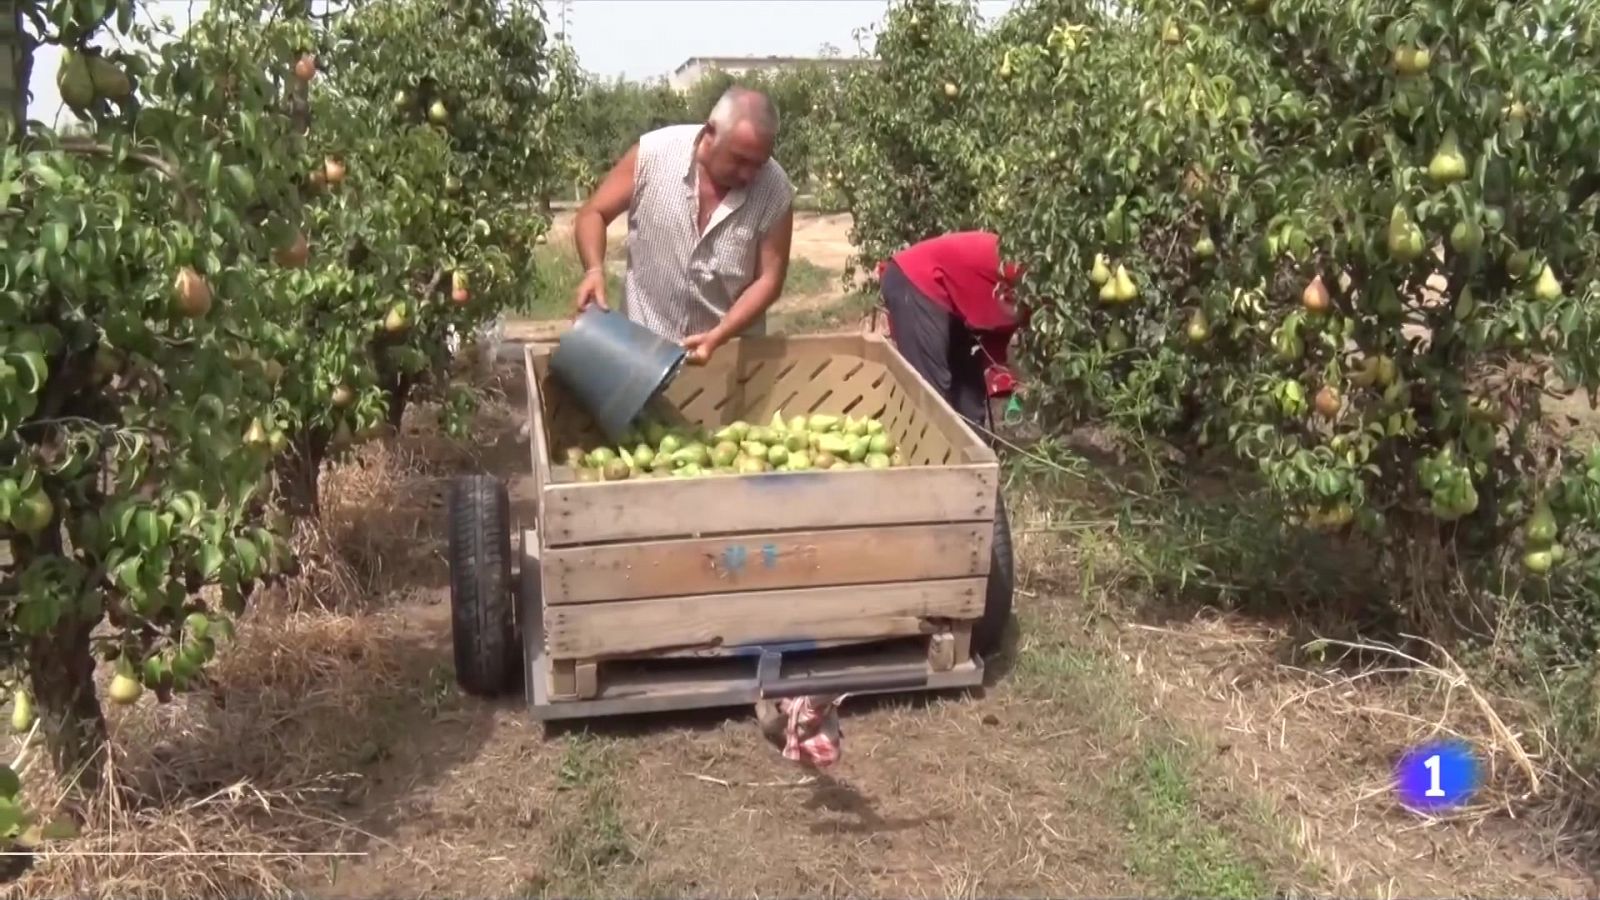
pixel 608 201
pixel 772 268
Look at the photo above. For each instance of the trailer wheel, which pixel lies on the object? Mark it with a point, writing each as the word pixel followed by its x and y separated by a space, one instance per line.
pixel 987 633
pixel 481 601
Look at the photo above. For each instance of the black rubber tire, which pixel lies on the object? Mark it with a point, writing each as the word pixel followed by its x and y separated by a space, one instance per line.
pixel 482 617
pixel 989 631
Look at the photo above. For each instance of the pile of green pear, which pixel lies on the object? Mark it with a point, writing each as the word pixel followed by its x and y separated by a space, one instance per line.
pixel 653 449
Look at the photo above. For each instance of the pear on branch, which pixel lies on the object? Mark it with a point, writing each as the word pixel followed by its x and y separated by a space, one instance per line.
pixel 1448 166
pixel 1404 238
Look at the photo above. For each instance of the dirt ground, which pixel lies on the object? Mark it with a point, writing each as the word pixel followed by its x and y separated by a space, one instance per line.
pixel 1110 753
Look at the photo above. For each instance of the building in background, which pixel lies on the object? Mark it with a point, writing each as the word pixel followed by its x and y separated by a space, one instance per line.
pixel 695 68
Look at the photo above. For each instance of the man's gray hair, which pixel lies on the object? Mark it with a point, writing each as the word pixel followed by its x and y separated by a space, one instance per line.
pixel 741 104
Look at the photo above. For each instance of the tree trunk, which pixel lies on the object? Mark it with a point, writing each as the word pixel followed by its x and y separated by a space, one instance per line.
pixel 61 668
pixel 16 66
pixel 299 472
pixel 399 394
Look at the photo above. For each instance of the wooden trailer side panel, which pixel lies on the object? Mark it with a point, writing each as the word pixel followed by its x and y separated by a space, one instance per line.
pixel 599 573
pixel 600 630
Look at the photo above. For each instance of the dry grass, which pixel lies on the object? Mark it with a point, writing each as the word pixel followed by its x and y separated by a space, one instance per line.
pixel 237 787
pixel 1317 742
pixel 219 792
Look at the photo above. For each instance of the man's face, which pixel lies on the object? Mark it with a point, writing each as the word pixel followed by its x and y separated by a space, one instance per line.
pixel 733 159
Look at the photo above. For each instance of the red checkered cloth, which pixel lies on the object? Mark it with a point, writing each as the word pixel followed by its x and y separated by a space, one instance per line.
pixel 812 736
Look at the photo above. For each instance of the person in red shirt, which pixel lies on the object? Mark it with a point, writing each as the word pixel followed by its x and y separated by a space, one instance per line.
pixel 952 312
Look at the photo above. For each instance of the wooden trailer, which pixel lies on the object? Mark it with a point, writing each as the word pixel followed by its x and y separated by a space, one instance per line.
pixel 659 594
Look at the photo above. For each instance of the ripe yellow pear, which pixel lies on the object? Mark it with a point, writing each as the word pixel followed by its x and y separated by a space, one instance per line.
pixel 1171 34
pixel 1205 248
pixel 1126 290
pixel 1108 292
pixel 256 434
pixel 124 689
pixel 1548 287
pixel 1199 328
pixel 1101 273
pixel 396 321
pixel 1448 166
pixel 21 711
pixel 1412 60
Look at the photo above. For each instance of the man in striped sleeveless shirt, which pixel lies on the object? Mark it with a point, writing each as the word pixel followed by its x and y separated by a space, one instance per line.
pixel 710 216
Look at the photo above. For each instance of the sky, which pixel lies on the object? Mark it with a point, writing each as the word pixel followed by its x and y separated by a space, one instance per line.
pixel 636 39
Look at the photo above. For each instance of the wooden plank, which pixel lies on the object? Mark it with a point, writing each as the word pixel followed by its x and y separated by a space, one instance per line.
pixel 538 442
pixel 563 679
pixel 646 692
pixel 587 678
pixel 598 630
pixel 530 622
pixel 758 562
pixel 961 633
pixel 583 513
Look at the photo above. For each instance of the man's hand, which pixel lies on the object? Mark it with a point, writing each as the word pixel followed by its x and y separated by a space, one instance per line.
pixel 608 201
pixel 592 289
pixel 701 346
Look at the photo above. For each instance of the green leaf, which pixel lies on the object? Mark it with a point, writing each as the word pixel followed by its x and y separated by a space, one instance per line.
pixel 12 818
pixel 249 557
pixel 55 237
pixel 33 361
pixel 211 560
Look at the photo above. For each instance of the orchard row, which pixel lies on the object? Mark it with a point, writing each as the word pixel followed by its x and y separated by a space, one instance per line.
pixel 1351 244
pixel 262 242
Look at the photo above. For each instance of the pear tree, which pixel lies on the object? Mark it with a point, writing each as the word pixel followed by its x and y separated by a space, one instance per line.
pixel 231 253
pixel 1352 243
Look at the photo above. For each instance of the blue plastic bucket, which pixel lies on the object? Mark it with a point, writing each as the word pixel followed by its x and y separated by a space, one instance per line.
pixel 614 366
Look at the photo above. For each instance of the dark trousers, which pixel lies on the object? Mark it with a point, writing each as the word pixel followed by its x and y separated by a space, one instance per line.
pixel 939 346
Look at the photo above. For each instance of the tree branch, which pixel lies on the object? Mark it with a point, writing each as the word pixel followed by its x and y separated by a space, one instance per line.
pixel 88 147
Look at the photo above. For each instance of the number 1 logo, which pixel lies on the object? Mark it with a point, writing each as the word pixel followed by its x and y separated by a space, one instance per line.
pixel 1437 776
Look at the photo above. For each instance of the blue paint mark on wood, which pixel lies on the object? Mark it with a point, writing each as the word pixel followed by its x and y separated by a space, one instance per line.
pixel 733 558
pixel 769 555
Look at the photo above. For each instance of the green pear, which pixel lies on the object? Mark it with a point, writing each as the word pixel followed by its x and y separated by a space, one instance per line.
pixel 1541 528
pixel 1116 339
pixel 1404 238
pixel 1448 166
pixel 1466 237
